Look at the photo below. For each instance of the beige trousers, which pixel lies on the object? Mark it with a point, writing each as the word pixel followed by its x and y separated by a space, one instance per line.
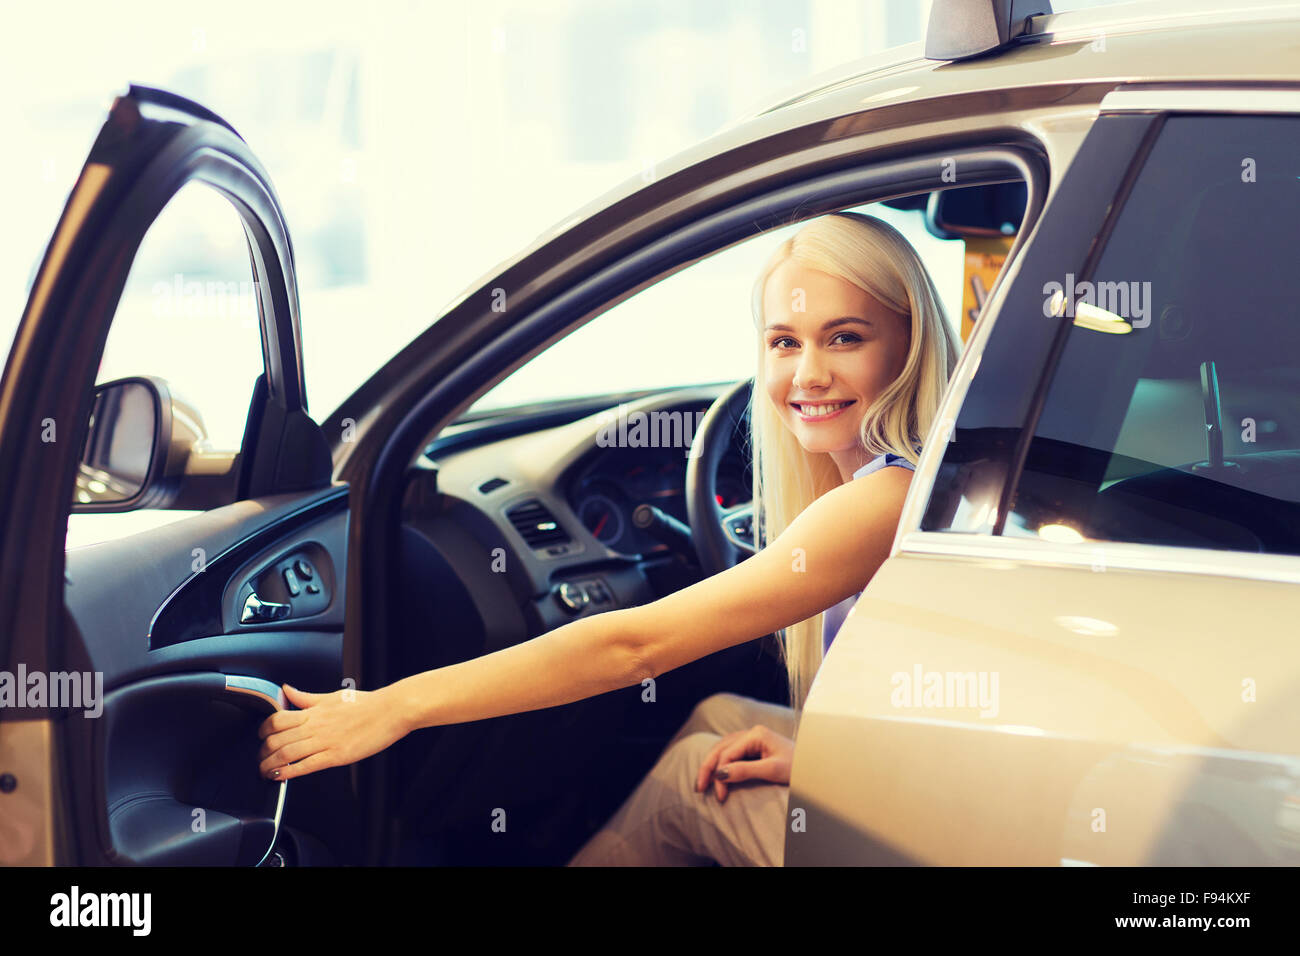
pixel 665 822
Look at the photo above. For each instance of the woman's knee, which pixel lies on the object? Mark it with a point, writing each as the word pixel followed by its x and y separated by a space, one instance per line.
pixel 680 763
pixel 715 714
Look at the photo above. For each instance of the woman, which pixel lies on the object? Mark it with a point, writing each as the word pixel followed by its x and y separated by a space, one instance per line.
pixel 854 352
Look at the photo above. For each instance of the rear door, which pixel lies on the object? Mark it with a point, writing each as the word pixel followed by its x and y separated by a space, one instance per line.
pixel 140 747
pixel 1083 648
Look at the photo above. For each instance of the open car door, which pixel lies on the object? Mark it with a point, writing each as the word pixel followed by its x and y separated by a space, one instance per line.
pixel 156 656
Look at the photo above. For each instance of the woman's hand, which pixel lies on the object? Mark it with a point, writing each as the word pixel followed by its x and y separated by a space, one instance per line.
pixel 329 730
pixel 755 754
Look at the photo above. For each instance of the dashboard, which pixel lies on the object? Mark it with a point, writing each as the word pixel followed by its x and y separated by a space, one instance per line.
pixel 604 494
pixel 551 504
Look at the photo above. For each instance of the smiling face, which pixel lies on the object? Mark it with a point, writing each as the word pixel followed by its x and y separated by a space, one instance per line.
pixel 826 364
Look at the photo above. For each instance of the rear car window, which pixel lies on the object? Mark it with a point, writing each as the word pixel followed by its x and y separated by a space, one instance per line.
pixel 1180 424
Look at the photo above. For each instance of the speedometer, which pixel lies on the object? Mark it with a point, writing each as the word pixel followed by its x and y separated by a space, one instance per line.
pixel 602 517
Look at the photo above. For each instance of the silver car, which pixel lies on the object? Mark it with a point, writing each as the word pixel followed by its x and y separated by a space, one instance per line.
pixel 1075 654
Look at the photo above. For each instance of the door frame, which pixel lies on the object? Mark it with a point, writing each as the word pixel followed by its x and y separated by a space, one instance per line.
pixel 377 467
pixel 152 143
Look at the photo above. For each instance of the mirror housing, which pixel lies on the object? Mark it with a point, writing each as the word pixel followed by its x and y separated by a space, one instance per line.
pixel 137 446
pixel 995 209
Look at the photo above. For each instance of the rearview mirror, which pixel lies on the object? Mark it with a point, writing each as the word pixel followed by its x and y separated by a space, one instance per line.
pixel 132 457
pixel 989 210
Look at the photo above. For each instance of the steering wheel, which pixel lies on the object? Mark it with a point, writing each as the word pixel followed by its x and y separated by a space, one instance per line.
pixel 723 537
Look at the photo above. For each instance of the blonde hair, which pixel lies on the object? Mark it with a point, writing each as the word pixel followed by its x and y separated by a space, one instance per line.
pixel 876 258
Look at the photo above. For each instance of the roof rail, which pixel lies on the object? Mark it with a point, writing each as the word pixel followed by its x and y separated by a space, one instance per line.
pixel 960 29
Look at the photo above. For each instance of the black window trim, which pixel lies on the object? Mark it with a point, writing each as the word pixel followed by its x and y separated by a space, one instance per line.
pixel 1158 101
pixel 1005 155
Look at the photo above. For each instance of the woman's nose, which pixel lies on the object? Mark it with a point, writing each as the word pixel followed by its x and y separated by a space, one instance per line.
pixel 812 371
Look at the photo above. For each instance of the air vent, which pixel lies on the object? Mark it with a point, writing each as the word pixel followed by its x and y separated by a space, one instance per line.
pixel 536 525
pixel 491 485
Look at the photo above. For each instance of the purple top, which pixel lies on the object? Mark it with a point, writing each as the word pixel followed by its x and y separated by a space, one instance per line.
pixel 833 617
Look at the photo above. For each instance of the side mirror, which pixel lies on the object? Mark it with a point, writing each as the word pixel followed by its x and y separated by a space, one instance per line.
pixel 136 448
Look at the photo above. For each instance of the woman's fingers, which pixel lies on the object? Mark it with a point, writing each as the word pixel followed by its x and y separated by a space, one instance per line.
pixel 285 734
pixel 281 728
pixel 748 745
pixel 735 746
pixel 711 762
pixel 289 753
pixel 281 720
pixel 317 761
pixel 332 732
pixel 300 698
pixel 745 756
pixel 768 769
pixel 281 739
pixel 299 740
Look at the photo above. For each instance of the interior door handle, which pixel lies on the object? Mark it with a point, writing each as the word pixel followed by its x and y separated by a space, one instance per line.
pixel 272 695
pixel 256 610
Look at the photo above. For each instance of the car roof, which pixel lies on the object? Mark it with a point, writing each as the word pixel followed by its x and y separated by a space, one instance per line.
pixel 1162 41
pixel 1166 17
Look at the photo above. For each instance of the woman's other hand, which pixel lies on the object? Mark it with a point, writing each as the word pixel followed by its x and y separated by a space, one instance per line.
pixel 329 730
pixel 755 754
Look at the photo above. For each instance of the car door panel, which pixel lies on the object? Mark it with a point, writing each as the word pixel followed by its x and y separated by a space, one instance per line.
pixel 163 765
pixel 174 789
pixel 1117 731
pixel 174 751
pixel 188 566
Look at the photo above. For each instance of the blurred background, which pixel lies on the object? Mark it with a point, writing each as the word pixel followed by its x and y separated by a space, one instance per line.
pixel 414 146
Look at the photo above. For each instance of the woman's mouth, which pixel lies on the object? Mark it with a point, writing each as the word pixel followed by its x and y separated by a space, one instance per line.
pixel 820 411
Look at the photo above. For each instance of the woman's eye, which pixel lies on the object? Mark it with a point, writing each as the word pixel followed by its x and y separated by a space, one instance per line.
pixel 849 340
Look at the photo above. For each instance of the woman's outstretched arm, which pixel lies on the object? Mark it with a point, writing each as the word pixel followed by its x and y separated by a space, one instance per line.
pixel 828 552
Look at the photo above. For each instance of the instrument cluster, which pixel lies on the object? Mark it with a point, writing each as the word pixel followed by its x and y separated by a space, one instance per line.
pixel 606 493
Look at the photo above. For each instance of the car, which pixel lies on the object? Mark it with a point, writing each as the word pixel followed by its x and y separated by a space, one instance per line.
pixel 1077 652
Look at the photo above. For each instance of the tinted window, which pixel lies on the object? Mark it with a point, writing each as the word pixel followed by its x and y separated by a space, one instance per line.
pixel 982 451
pixel 1173 416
